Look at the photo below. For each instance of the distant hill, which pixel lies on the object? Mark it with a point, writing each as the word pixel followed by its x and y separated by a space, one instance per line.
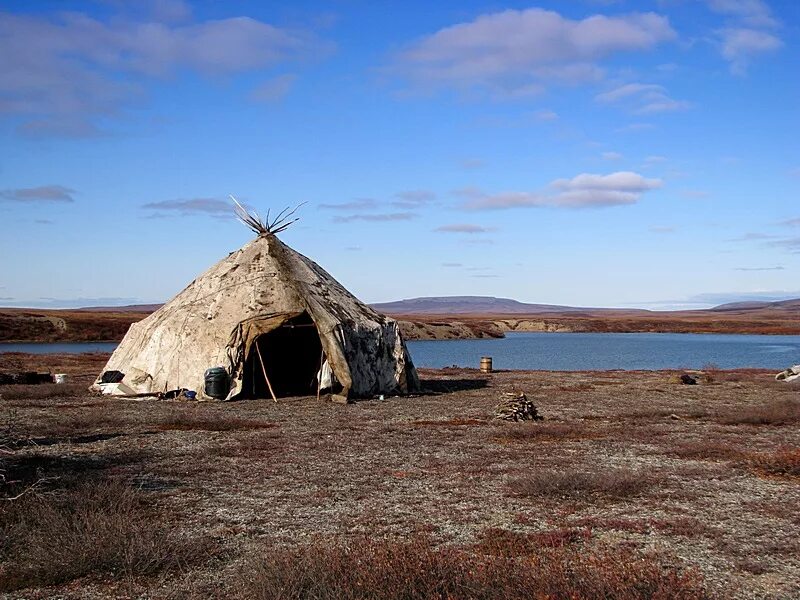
pixel 145 308
pixel 439 305
pixel 782 305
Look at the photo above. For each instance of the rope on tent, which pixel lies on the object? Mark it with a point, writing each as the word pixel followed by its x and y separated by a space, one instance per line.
pixel 254 222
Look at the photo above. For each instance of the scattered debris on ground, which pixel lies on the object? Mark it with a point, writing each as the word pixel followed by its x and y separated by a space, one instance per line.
pixel 790 374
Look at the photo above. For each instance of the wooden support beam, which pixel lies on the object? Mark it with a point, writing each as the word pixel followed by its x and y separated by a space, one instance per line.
pixel 264 370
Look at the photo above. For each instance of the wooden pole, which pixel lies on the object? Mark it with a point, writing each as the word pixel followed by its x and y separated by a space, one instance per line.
pixel 264 370
pixel 319 374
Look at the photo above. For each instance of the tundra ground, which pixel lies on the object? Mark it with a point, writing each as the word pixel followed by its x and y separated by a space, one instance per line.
pixel 634 486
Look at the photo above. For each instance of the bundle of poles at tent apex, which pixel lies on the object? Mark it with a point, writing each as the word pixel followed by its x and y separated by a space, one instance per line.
pixel 253 220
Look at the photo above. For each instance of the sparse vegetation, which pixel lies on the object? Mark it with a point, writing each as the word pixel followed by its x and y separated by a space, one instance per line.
pixel 783 462
pixel 89 528
pixel 187 420
pixel 777 412
pixel 578 483
pixel 200 499
pixel 418 569
pixel 547 431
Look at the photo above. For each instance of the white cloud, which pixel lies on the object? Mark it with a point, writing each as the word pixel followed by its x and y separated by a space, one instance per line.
pixel 586 190
pixel 273 89
pixel 192 206
pixel 748 32
pixel 472 163
pixel 43 193
pixel 357 204
pixel 755 13
pixel 642 98
pixel 413 198
pixel 380 217
pixel 546 115
pixel 739 45
pixel 464 228
pixel 610 155
pixel 522 51
pixel 629 89
pixel 69 69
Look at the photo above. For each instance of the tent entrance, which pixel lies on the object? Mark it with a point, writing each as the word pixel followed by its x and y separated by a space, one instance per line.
pixel 291 355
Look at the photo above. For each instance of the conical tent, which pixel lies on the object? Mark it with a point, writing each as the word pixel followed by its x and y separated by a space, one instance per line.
pixel 267 315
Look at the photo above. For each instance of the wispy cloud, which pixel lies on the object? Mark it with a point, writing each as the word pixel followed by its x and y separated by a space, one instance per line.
pixel 70 69
pixel 697 194
pixel 740 45
pixel 610 155
pixel 273 89
pixel 642 98
pixel 472 163
pixel 191 206
pixel 357 204
pixel 545 115
pixel 792 222
pixel 464 228
pixel 750 31
pixel 755 13
pixel 43 193
pixel 790 244
pixel 635 128
pixel 452 265
pixel 752 236
pixel 413 198
pixel 378 217
pixel 759 269
pixel 661 229
pixel 586 190
pixel 520 52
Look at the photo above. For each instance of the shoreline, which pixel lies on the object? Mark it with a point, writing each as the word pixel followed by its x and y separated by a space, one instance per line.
pixel 23 326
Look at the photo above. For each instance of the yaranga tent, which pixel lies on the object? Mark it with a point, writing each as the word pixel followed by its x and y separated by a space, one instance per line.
pixel 275 321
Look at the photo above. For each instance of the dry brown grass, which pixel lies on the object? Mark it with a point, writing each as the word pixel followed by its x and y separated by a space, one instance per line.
pixel 530 432
pixel 42 391
pixel 577 483
pixel 189 421
pixel 684 526
pixel 325 473
pixel 782 462
pixel 457 422
pixel 417 569
pixel 707 449
pixel 778 412
pixel 91 528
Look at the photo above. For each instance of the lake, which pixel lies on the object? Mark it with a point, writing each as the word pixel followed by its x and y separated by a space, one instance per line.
pixel 607 351
pixel 570 351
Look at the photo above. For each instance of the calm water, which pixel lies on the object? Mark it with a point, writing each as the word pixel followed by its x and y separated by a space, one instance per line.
pixel 65 348
pixel 571 351
pixel 604 351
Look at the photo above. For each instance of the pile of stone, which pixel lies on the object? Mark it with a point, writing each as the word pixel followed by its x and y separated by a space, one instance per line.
pixel 516 407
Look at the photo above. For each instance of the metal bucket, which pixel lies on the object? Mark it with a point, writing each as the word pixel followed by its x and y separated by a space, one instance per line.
pixel 486 364
pixel 60 378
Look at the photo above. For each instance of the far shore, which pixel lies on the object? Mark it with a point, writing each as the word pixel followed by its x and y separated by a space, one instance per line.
pixel 24 325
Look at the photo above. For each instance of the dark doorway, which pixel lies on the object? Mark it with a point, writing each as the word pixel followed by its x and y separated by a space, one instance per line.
pixel 291 355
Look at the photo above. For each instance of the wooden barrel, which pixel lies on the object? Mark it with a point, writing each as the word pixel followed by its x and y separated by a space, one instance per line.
pixel 486 364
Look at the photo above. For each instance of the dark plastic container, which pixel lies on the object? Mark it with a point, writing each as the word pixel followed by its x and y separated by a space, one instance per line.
pixel 217 383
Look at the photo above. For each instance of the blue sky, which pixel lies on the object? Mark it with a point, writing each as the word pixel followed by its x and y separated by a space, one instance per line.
pixel 595 153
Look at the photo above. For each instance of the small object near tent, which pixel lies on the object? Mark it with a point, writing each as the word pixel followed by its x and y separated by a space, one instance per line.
pixel 271 318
